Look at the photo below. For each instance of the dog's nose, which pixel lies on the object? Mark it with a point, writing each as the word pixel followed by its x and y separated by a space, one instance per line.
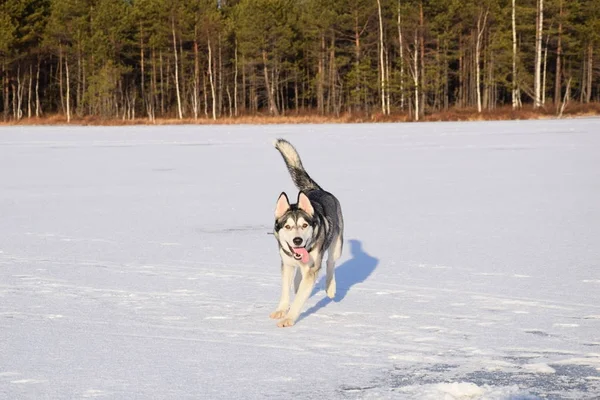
pixel 297 241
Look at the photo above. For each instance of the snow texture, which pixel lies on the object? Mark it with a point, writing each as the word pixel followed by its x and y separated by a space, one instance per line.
pixel 137 263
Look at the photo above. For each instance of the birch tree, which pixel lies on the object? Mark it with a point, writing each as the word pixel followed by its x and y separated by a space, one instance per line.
pixel 382 65
pixel 400 53
pixel 481 22
pixel 537 82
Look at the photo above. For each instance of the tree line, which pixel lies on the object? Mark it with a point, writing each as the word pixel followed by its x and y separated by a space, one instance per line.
pixel 223 58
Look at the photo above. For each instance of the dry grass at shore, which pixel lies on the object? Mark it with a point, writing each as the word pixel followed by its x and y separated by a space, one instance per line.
pixel 453 114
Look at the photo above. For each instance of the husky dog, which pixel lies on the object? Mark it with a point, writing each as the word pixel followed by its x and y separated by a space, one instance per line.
pixel 304 231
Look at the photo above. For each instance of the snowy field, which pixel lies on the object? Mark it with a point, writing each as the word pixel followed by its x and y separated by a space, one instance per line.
pixel 137 263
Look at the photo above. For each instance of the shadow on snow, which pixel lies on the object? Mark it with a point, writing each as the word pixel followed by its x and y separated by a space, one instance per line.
pixel 355 270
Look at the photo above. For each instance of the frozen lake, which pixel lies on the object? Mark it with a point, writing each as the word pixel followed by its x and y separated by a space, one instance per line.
pixel 136 262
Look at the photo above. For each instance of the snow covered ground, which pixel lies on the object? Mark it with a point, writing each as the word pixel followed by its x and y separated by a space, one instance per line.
pixel 136 263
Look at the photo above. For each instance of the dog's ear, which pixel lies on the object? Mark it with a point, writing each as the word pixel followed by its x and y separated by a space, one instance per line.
pixel 283 204
pixel 304 204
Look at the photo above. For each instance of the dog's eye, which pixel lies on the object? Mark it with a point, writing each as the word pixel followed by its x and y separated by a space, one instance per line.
pixel 288 227
pixel 304 226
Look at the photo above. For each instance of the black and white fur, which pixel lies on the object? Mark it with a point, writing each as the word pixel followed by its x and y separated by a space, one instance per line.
pixel 315 223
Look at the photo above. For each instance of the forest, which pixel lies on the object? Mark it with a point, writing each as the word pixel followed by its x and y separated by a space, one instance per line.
pixel 211 59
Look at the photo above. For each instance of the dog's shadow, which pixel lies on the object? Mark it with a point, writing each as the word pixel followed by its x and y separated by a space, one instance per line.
pixel 354 271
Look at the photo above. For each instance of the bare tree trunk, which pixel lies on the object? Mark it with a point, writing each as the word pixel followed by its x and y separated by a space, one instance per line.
pixel 145 99
pixel 357 56
pixel 281 99
pixel 205 95
pixel 83 85
pixel 78 91
pixel 416 75
pixel 220 76
pixel 60 78
pixel 321 77
pixel 590 72
pixel 179 111
pixel 5 83
pixel 446 77
pixel 537 83
pixel 583 85
pixel 566 99
pixel 460 101
pixel 544 70
pixel 480 29
pixel 19 96
pixel 485 82
pixel 296 94
pixel 235 82
pixel 211 79
pixel 195 97
pixel 153 88
pixel 182 85
pixel 401 50
pixel 14 99
pixel 38 108
pixel 490 84
pixel 244 83
pixel 29 91
pixel 381 60
pixel 515 90
pixel 253 94
pixel 387 80
pixel 558 75
pixel 423 85
pixel 229 100
pixel 162 83
pixel 68 96
pixel 332 75
pixel 270 95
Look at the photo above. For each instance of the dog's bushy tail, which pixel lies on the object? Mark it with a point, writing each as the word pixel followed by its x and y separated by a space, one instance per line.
pixel 300 177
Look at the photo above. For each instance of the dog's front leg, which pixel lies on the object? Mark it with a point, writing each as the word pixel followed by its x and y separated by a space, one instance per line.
pixel 287 274
pixel 309 277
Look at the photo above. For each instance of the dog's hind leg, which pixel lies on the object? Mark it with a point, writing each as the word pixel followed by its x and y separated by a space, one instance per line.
pixel 334 253
pixel 287 273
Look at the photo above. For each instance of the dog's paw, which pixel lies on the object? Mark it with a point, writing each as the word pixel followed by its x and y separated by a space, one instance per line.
pixel 285 323
pixel 278 314
pixel 331 290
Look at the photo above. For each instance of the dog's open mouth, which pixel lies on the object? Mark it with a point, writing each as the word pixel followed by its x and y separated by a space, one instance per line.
pixel 300 254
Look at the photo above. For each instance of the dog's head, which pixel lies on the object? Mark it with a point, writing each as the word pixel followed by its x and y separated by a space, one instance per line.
pixel 295 225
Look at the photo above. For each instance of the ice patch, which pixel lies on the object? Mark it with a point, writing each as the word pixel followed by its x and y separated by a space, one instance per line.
pixel 459 391
pixel 591 359
pixel 539 368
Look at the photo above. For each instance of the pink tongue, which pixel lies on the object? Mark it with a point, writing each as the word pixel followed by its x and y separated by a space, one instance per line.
pixel 301 251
